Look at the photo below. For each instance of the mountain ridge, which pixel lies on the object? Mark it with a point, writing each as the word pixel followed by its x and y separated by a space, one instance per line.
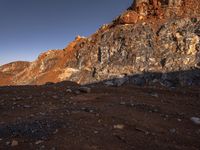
pixel 151 36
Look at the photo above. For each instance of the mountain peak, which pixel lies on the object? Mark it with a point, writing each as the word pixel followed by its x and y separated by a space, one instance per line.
pixel 141 10
pixel 165 7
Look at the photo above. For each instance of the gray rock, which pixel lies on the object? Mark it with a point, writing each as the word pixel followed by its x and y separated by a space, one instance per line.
pixel 39 142
pixel 55 97
pixel 172 131
pixel 138 81
pixel 27 106
pixel 109 83
pixel 69 91
pixel 195 120
pixel 120 81
pixel 77 92
pixel 14 143
pixel 85 89
pixel 167 83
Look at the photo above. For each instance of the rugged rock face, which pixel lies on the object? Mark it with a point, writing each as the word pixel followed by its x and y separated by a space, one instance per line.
pixel 162 9
pixel 154 40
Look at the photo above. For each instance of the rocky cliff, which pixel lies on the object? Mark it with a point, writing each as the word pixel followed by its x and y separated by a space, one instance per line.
pixel 153 41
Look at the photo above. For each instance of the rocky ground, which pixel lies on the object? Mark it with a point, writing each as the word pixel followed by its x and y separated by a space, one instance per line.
pixel 99 117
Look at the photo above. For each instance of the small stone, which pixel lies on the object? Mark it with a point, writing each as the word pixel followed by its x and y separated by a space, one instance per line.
pixel 32 115
pixel 119 82
pixel 87 110
pixel 96 132
pixel 77 92
pixel 41 113
pixel 155 110
pixel 30 97
pixel 14 143
pixel 27 106
pixel 122 103
pixel 53 148
pixel 119 126
pixel 179 120
pixel 109 83
pixel 154 95
pixel 167 84
pixel 195 120
pixel 42 147
pixel 56 131
pixel 69 91
pixel 18 98
pixel 91 111
pixel 55 97
pixel 39 142
pixel 153 133
pixel 1 139
pixel 85 89
pixel 172 130
pixel 139 81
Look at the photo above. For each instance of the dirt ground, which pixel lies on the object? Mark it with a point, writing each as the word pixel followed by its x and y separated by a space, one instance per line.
pixel 60 116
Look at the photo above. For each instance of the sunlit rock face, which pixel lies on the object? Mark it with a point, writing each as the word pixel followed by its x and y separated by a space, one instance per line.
pixel 155 7
pixel 161 36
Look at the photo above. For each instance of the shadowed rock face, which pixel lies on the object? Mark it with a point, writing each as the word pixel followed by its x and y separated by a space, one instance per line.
pixel 151 36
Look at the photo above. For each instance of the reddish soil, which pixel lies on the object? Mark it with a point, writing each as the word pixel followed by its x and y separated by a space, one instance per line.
pixel 52 117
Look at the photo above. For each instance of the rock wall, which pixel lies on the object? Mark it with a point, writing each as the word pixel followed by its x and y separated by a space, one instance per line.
pixel 137 49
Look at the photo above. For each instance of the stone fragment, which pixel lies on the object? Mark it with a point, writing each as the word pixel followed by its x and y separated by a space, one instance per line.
pixel 69 91
pixel 39 142
pixel 85 89
pixel 195 120
pixel 119 126
pixel 109 83
pixel 172 131
pixel 27 106
pixel 120 81
pixel 14 143
pixel 55 97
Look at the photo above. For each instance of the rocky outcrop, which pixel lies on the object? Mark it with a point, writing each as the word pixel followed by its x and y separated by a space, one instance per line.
pixel 139 48
pixel 152 40
pixel 8 71
pixel 162 9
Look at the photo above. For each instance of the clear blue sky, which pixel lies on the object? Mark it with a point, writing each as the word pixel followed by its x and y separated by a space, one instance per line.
pixel 29 27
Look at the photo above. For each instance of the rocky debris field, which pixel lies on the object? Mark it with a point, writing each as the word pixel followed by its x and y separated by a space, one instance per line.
pixel 99 117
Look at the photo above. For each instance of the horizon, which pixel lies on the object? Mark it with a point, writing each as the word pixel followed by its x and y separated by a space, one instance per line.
pixel 29 28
